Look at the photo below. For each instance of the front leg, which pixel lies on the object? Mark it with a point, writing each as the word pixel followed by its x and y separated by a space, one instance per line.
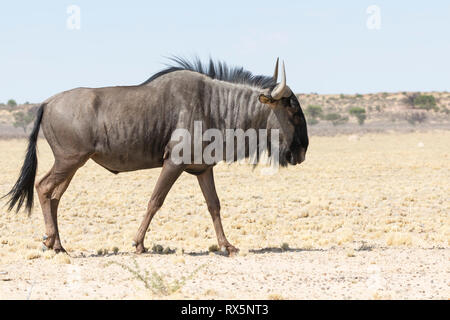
pixel 206 181
pixel 169 174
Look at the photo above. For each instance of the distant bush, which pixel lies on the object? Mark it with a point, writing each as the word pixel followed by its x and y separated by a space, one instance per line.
pixel 314 112
pixel 356 110
pixel 23 119
pixel 426 102
pixel 421 101
pixel 332 116
pixel 312 121
pixel 12 103
pixel 359 113
pixel 335 118
pixel 341 120
pixel 409 99
pixel 416 117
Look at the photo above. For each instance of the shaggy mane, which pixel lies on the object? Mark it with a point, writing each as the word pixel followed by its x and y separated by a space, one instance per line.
pixel 215 70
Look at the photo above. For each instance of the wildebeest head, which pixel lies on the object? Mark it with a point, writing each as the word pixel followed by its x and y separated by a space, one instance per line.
pixel 286 116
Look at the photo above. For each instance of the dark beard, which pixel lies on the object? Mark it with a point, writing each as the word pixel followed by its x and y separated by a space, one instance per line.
pixel 282 160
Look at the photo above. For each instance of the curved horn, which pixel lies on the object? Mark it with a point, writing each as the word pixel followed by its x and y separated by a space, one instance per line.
pixel 278 91
pixel 275 74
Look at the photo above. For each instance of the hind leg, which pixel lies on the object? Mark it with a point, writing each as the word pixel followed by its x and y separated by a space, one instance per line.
pixel 54 203
pixel 50 189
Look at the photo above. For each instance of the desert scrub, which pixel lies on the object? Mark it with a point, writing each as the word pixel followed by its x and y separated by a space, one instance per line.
pixel 415 117
pixel 313 114
pixel 365 247
pixel 359 113
pixel 213 248
pixel 12 103
pixel 314 111
pixel 425 102
pixel 335 118
pixel 312 121
pixel 23 119
pixel 159 249
pixel 421 101
pixel 154 281
pixel 102 252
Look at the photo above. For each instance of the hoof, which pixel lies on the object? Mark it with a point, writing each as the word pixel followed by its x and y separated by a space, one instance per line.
pixel 232 251
pixel 134 244
pixel 60 250
pixel 140 249
pixel 44 248
pixel 44 237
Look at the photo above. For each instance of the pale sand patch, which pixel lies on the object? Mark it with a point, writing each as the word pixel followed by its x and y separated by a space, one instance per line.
pixel 388 273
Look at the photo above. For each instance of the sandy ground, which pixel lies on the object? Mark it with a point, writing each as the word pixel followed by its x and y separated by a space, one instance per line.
pixel 331 274
pixel 366 217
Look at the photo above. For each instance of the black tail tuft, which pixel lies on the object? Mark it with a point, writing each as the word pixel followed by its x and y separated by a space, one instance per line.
pixel 24 187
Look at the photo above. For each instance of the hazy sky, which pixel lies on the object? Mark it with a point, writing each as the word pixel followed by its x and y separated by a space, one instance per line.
pixel 327 45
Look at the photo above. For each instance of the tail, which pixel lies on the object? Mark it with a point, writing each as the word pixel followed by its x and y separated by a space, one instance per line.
pixel 24 187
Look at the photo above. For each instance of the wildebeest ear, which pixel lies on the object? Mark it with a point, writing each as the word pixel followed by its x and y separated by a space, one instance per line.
pixel 266 99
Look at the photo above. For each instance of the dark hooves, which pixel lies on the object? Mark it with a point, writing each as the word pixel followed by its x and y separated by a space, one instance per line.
pixel 57 250
pixel 141 250
pixel 232 251
pixel 139 247
pixel 228 251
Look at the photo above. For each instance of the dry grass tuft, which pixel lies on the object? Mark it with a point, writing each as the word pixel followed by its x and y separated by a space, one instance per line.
pixel 399 239
pixel 213 248
pixel 62 258
pixel 156 282
pixel 33 254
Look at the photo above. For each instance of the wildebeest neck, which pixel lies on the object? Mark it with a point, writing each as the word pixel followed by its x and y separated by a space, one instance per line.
pixel 230 106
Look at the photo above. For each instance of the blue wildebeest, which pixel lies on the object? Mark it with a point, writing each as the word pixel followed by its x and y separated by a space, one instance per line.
pixel 129 128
